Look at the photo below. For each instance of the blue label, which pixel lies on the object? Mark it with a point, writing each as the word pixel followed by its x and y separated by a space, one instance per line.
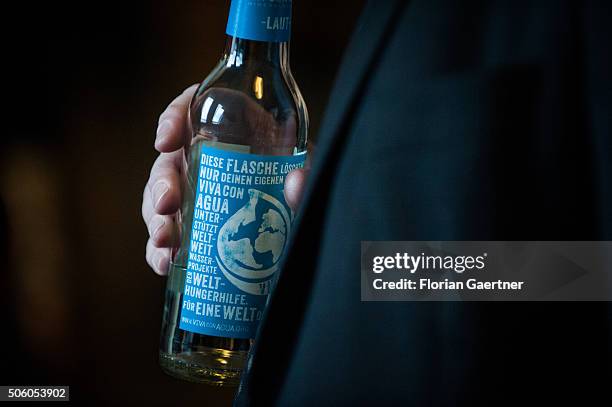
pixel 240 227
pixel 260 20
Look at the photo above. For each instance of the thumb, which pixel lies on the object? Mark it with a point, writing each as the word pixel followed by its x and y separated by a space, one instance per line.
pixel 294 187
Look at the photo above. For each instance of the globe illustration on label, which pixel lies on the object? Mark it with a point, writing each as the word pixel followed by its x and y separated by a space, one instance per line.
pixel 251 243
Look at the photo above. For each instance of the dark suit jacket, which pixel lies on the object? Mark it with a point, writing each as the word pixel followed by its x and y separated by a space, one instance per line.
pixel 485 120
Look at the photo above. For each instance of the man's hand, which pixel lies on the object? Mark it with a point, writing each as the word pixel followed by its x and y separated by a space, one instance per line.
pixel 162 193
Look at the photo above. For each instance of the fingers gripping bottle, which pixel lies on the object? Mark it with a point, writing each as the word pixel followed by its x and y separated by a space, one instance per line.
pixel 248 130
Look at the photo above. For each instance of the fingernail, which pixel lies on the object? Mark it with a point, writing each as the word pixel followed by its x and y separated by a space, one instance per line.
pixel 162 130
pixel 159 190
pixel 156 224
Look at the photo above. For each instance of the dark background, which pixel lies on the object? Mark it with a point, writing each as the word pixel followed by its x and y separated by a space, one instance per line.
pixel 80 306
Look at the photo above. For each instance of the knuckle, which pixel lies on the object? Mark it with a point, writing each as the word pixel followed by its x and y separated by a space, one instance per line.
pixel 146 193
pixel 143 211
pixel 191 88
pixel 174 111
pixel 149 255
pixel 164 162
pixel 156 222
pixel 163 172
pixel 175 107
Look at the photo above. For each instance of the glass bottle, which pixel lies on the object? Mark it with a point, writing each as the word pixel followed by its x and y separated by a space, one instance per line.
pixel 248 124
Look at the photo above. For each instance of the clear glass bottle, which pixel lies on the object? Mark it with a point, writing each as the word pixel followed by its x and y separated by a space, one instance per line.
pixel 249 126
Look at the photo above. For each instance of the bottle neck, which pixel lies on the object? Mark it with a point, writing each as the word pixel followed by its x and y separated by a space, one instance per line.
pixel 243 52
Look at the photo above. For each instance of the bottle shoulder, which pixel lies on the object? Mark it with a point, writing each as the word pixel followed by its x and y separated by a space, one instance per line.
pixel 254 104
pixel 297 97
pixel 267 85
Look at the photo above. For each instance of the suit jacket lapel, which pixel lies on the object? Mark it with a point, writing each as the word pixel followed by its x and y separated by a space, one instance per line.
pixel 359 59
pixel 269 359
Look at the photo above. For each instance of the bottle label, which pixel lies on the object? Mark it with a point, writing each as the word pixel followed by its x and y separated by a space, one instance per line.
pixel 240 227
pixel 260 20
